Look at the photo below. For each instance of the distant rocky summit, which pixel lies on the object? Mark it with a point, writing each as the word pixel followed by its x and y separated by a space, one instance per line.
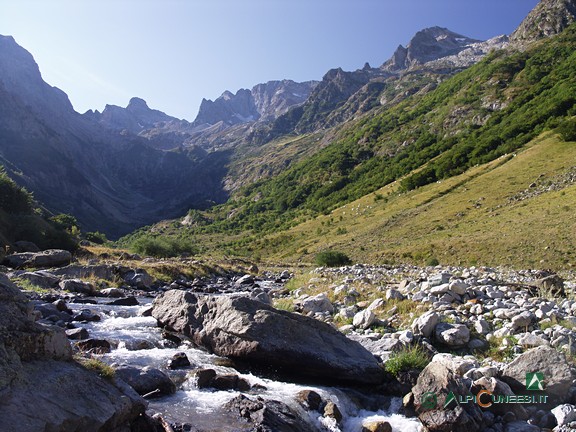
pixel 264 102
pixel 427 45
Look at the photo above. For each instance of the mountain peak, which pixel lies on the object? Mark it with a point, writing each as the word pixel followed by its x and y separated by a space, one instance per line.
pixel 137 103
pixel 427 45
pixel 548 18
pixel 263 102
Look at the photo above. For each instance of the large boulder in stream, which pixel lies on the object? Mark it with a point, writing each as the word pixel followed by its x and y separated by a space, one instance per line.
pixel 246 329
pixel 43 389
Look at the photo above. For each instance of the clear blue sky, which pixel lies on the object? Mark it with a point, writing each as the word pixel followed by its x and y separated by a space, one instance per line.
pixel 172 53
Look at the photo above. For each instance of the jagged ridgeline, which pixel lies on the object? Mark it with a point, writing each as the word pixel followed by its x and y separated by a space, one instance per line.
pixel 21 219
pixel 489 110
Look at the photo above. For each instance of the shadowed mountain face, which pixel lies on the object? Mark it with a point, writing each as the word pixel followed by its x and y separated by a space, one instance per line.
pixel 111 183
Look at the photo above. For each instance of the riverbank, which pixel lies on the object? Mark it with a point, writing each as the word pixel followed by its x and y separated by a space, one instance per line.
pixel 433 333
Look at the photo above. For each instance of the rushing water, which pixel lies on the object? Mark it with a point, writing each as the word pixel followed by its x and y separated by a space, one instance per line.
pixel 137 341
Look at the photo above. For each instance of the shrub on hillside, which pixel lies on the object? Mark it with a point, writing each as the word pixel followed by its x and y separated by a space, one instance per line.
pixel 567 130
pixel 13 198
pixel 331 258
pixel 163 247
pixel 96 237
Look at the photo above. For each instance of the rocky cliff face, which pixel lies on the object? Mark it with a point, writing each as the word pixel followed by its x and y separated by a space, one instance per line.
pixel 548 18
pixel 112 183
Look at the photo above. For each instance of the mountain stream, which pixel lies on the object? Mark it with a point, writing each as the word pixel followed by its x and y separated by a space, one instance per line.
pixel 136 340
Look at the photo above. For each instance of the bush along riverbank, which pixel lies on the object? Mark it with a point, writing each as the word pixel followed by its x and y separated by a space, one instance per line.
pixel 186 345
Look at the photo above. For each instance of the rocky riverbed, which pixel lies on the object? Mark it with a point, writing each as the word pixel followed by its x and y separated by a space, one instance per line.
pixel 358 348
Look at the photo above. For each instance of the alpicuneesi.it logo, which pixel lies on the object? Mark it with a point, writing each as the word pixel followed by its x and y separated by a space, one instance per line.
pixel 485 398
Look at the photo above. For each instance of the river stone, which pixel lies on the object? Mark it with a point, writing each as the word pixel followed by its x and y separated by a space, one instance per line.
pixel 317 303
pixel 138 278
pixel 146 380
pixel 267 415
pixel 364 319
pixel 531 340
pixel 524 319
pixel 246 329
pixel 564 414
pixel 452 334
pixel 42 388
pixel 546 360
pixel 41 278
pixel 376 426
pixel 47 258
pixel 66 397
pixel 425 324
pixel 77 333
pixel 309 399
pixel 204 377
pixel 178 361
pixel 113 292
pixel 332 410
pixel 77 286
pixel 433 385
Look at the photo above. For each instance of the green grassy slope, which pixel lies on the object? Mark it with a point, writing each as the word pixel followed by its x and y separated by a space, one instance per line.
pixel 490 109
pixel 517 210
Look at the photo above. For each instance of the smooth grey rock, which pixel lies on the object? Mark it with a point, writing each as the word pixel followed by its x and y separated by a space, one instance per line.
pixel 524 319
pixel 452 334
pixel 546 360
pixel 77 286
pixel 531 340
pixel 146 380
pixel 268 415
pixel 253 331
pixel 364 319
pixel 47 258
pixel 138 278
pixel 458 286
pixel 113 292
pixel 482 326
pixel 394 294
pixel 425 324
pixel 247 279
pixel 379 346
pixel 456 364
pixel 438 380
pixel 41 278
pixel 564 414
pixel 318 303
pixel 66 397
pixel 77 333
pixel 439 279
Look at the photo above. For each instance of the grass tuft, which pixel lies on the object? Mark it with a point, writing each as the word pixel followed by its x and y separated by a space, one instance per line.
pixel 412 357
